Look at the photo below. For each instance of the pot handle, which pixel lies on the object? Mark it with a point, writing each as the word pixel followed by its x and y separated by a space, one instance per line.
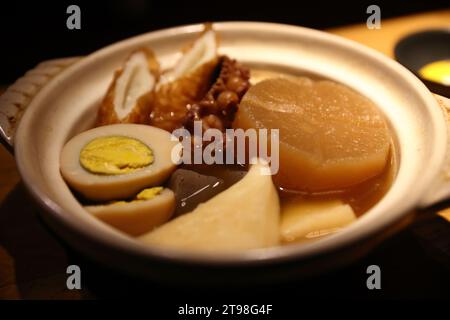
pixel 19 95
pixel 441 189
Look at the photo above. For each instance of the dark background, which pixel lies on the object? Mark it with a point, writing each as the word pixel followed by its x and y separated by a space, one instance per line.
pixel 32 31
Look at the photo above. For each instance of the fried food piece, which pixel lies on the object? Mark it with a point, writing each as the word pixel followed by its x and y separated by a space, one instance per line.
pixel 186 83
pixel 130 95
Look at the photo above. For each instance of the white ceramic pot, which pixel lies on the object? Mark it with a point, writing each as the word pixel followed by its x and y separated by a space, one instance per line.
pixel 60 98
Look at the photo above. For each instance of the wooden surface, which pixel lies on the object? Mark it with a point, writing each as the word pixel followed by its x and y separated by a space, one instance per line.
pixel 33 262
pixel 392 30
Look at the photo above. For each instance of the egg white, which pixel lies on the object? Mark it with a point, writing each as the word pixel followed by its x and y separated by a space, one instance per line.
pixel 137 217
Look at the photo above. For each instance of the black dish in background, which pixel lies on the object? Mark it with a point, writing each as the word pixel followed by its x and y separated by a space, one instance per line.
pixel 418 49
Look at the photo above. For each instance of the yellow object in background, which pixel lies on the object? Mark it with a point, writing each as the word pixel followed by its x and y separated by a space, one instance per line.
pixel 445 214
pixel 438 71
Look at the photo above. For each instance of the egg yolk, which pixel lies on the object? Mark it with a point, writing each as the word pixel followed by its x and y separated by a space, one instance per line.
pixel 114 155
pixel 149 193
pixel 438 71
pixel 146 194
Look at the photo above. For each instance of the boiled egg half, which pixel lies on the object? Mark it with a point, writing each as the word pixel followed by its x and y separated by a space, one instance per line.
pixel 150 208
pixel 118 161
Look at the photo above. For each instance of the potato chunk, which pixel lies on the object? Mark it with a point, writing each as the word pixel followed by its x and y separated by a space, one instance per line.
pixel 309 219
pixel 330 136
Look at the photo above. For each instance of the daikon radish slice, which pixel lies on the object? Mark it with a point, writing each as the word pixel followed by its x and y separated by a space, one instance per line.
pixel 330 136
pixel 245 216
